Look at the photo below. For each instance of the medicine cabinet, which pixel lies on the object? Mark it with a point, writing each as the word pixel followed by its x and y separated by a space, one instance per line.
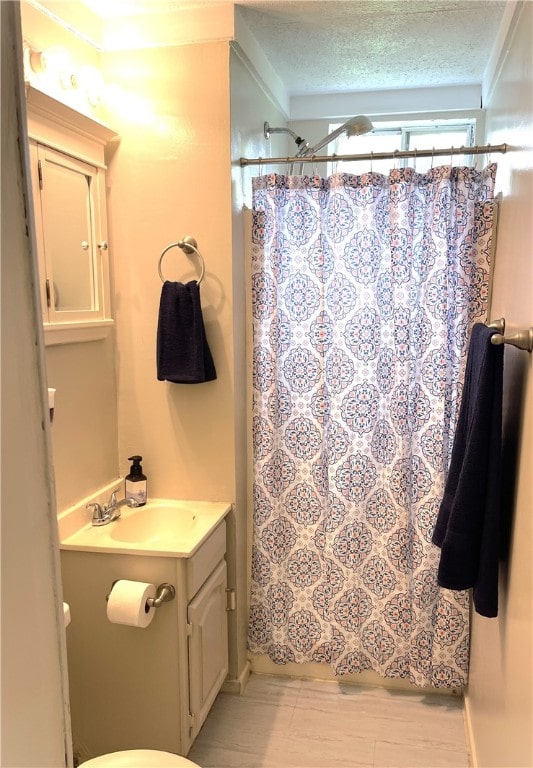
pixel 67 158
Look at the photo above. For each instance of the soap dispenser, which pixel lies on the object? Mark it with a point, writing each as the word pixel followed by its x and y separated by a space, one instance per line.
pixel 136 481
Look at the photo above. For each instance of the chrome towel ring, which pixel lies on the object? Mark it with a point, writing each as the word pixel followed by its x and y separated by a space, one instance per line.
pixel 188 245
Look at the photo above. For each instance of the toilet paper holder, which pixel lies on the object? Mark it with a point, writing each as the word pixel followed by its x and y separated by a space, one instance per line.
pixel 165 592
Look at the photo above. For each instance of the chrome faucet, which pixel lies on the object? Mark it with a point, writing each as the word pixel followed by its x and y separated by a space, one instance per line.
pixel 106 513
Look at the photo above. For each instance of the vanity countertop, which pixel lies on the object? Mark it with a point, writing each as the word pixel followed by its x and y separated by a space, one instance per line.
pixel 160 528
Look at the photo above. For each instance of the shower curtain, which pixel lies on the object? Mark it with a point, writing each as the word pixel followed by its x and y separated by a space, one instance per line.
pixel 364 292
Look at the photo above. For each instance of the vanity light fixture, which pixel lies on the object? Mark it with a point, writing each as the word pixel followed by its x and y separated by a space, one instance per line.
pixel 54 62
pixel 55 66
pixel 90 81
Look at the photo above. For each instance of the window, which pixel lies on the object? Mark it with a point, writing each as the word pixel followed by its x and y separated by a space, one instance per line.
pixel 389 136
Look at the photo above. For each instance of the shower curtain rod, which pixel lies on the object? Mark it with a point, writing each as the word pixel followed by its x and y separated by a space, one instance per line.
pixel 475 150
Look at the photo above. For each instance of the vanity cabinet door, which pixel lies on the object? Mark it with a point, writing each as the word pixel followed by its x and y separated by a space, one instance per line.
pixel 208 645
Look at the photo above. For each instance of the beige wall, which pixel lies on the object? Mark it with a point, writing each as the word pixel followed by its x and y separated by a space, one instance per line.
pixel 499 708
pixel 250 107
pixel 84 434
pixel 169 177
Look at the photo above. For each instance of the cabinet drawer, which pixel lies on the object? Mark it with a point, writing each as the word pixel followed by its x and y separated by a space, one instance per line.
pixel 204 561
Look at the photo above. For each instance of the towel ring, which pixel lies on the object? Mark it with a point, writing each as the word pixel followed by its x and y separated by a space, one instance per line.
pixel 188 245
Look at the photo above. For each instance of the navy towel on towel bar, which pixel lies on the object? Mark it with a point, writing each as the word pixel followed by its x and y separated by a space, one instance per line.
pixel 468 523
pixel 183 354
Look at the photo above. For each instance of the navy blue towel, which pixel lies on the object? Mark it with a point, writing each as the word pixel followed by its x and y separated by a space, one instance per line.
pixel 468 523
pixel 183 355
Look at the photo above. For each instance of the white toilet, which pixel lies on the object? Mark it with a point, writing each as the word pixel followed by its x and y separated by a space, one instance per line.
pixel 139 758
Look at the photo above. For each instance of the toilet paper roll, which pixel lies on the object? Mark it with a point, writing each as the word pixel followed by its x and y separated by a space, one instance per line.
pixel 127 604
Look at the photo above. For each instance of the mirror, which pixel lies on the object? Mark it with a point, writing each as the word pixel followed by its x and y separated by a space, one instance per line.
pixel 68 216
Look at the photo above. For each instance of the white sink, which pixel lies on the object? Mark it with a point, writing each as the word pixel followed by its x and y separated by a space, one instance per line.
pixel 156 522
pixel 161 527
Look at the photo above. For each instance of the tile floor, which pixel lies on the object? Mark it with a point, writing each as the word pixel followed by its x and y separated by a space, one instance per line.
pixel 286 723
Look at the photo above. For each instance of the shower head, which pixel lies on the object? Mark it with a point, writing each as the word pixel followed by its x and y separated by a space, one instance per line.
pixel 358 125
pixel 300 143
pixel 355 126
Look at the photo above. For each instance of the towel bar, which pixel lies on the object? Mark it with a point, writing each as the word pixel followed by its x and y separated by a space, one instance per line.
pixel 498 325
pixel 521 339
pixel 188 245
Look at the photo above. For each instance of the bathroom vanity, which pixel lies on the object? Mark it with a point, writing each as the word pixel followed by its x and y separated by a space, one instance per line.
pixel 152 688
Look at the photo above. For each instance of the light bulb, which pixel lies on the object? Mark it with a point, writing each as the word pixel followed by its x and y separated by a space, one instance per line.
pixel 55 62
pixel 91 82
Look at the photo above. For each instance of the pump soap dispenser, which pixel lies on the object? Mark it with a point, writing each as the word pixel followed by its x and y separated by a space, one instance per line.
pixel 136 481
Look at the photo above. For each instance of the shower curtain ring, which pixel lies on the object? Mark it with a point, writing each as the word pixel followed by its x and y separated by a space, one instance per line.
pixel 416 154
pixel 371 162
pixel 432 157
pixel 395 157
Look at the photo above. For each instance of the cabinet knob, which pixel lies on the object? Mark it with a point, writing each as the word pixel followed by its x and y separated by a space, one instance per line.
pixel 103 245
pixel 85 245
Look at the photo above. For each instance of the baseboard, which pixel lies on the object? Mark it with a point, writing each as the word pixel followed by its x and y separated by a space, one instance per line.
pixel 470 740
pixel 237 685
pixel 263 665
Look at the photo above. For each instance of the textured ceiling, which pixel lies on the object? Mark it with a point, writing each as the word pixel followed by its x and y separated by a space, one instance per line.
pixel 347 45
pixel 319 46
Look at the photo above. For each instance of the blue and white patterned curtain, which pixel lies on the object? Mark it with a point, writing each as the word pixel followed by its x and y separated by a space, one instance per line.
pixel 364 292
